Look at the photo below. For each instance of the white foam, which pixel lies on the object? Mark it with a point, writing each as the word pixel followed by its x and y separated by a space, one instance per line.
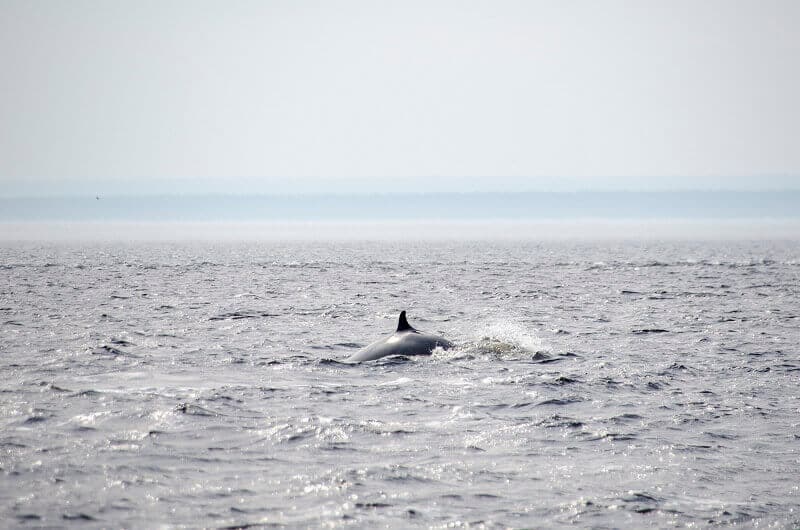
pixel 510 337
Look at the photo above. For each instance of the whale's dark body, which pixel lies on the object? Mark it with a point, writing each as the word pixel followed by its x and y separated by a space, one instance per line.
pixel 405 341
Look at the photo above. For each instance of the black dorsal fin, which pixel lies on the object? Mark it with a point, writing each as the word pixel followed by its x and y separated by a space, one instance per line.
pixel 402 324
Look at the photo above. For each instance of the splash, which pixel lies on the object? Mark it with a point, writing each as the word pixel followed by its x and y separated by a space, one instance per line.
pixel 507 340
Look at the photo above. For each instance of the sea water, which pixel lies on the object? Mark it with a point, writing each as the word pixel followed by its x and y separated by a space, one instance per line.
pixel 597 384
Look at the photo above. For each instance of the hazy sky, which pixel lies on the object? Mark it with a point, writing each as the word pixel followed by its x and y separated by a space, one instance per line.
pixel 145 90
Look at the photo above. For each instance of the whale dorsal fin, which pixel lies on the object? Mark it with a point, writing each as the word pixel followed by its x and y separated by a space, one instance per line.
pixel 402 324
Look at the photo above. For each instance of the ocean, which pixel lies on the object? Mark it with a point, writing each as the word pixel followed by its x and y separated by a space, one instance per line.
pixel 615 383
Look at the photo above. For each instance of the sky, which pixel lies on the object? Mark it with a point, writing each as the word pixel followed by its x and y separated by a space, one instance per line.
pixel 241 96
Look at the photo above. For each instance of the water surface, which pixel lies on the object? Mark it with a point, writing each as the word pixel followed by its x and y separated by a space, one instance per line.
pixel 637 384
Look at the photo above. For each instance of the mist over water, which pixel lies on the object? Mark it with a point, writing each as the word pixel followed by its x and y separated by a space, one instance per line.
pixel 410 216
pixel 404 206
pixel 599 384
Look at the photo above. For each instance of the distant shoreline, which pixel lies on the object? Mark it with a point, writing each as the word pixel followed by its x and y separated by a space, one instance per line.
pixel 409 230
pixel 407 206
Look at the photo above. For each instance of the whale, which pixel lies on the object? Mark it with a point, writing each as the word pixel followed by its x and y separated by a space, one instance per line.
pixel 405 341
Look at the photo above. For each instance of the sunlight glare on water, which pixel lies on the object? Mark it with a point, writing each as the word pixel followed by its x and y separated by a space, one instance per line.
pixel 647 384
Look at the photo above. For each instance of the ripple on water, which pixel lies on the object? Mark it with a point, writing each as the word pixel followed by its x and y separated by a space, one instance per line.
pixel 614 385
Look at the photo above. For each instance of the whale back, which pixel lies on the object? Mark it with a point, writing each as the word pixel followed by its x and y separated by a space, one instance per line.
pixel 405 341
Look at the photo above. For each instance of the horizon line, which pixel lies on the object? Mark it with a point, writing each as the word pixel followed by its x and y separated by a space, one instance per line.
pixel 384 193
